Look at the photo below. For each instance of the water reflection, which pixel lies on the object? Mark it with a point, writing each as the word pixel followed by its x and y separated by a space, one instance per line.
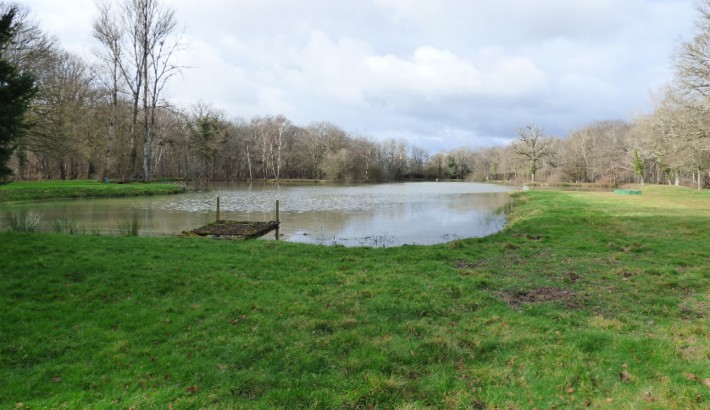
pixel 362 215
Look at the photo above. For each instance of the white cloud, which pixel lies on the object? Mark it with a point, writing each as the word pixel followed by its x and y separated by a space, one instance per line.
pixel 441 74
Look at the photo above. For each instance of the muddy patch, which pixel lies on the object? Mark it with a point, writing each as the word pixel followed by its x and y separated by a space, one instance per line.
pixel 541 295
pixel 463 264
pixel 532 237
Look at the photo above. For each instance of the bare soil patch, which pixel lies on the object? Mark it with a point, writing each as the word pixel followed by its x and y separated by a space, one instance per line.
pixel 541 295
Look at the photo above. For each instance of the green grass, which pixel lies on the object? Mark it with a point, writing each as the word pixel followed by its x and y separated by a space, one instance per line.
pixel 585 299
pixel 40 190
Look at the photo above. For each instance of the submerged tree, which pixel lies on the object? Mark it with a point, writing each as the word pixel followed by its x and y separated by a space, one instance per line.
pixel 16 91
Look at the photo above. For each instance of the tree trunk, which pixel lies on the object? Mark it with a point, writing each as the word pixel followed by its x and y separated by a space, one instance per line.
pixel 111 125
pixel 146 120
pixel 251 177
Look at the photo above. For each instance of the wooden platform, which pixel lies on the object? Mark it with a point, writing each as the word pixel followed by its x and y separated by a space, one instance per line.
pixel 234 229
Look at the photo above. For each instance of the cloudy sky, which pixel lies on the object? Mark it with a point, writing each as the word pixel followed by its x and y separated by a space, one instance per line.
pixel 442 74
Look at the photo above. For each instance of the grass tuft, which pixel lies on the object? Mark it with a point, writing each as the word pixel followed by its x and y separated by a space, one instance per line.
pixel 23 222
pixel 130 227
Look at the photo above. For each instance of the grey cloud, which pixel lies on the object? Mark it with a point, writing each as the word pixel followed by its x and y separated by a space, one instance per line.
pixel 442 74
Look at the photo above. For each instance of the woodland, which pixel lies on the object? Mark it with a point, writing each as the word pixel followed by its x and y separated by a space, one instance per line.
pixel 107 119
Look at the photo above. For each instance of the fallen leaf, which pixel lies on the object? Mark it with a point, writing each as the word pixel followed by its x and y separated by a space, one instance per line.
pixel 691 376
pixel 624 375
pixel 193 389
pixel 570 390
pixel 19 405
pixel 56 379
pixel 706 382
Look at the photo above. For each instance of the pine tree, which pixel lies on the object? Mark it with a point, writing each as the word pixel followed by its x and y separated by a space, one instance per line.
pixel 16 91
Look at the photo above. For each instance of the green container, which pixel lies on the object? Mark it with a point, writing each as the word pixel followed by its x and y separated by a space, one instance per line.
pixel 627 192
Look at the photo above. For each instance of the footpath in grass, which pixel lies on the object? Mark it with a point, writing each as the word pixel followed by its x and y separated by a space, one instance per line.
pixel 41 190
pixel 585 300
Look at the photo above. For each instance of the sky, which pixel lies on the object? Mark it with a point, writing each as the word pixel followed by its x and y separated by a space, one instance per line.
pixel 440 74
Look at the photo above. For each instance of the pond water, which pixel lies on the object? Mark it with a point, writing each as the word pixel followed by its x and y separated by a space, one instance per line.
pixel 359 215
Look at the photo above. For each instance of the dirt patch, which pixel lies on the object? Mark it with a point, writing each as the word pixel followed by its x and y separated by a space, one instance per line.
pixel 541 295
pixel 463 264
pixel 532 237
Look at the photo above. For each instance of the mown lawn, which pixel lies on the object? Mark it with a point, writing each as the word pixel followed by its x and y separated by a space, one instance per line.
pixel 39 190
pixel 584 300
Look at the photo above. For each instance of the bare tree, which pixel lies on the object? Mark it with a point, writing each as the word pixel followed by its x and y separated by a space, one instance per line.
pixel 139 42
pixel 693 79
pixel 693 58
pixel 30 49
pixel 319 139
pixel 418 159
pixel 161 42
pixel 394 158
pixel 533 146
pixel 108 32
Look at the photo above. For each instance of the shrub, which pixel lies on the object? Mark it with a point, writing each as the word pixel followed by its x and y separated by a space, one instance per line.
pixel 68 226
pixel 23 222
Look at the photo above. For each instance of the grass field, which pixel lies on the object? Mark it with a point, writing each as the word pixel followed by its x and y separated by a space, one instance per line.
pixel 39 190
pixel 585 300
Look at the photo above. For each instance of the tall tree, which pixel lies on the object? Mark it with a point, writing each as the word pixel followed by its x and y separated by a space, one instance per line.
pixel 140 41
pixel 205 126
pixel 533 146
pixel 693 59
pixel 693 79
pixel 108 32
pixel 63 136
pixel 16 91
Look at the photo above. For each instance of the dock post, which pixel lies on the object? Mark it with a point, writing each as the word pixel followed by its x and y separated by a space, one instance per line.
pixel 217 209
pixel 278 221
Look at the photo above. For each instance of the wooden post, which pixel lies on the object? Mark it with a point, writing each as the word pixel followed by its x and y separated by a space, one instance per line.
pixel 278 221
pixel 217 209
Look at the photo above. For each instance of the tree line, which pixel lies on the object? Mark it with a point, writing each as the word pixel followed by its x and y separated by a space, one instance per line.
pixel 107 119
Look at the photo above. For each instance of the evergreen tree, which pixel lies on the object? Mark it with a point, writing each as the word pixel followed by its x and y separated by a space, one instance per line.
pixel 16 91
pixel 638 166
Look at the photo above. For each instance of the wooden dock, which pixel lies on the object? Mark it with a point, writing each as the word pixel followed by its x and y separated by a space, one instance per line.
pixel 234 229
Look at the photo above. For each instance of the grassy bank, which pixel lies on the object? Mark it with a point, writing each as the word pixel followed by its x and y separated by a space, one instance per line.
pixel 40 190
pixel 585 299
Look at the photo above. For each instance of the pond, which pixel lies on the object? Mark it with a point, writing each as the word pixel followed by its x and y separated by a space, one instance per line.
pixel 359 215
